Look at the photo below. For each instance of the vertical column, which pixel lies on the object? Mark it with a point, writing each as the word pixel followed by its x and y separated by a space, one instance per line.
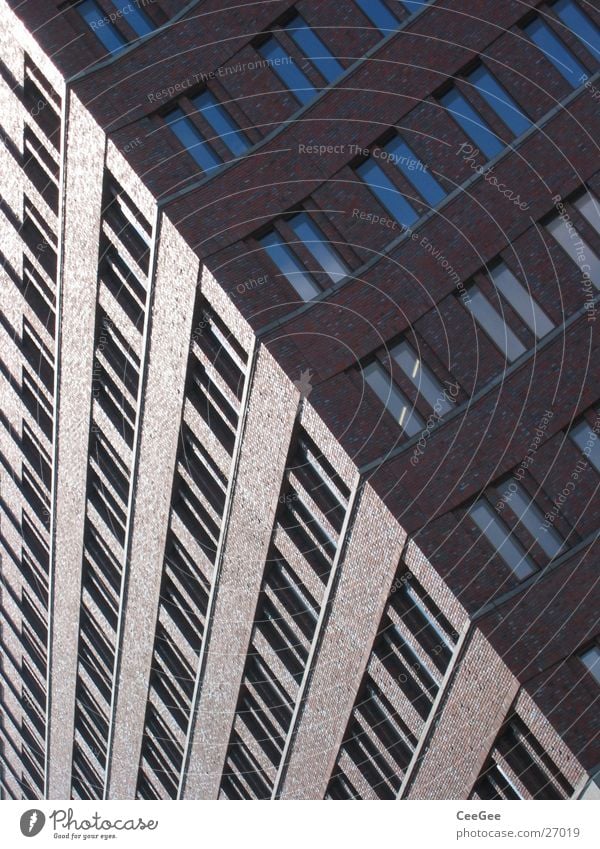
pixel 270 419
pixel 366 573
pixel 84 166
pixel 172 310
pixel 478 699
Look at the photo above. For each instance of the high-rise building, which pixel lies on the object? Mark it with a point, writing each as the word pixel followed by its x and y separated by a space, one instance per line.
pixel 300 453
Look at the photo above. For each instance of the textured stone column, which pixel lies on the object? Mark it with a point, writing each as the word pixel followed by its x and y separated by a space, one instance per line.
pixel 270 418
pixel 366 573
pixel 464 733
pixel 76 320
pixel 158 420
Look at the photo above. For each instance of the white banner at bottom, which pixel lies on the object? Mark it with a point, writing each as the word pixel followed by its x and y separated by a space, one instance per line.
pixel 296 825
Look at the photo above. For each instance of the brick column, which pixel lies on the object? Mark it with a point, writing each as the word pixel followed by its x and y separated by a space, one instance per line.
pixel 160 416
pixel 270 418
pixel 366 573
pixel 84 165
pixel 464 733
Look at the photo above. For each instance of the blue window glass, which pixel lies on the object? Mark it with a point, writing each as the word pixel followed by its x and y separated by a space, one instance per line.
pixel 556 52
pixel 580 25
pixel 414 171
pixel 137 19
pixel 222 123
pixel 413 6
pixel 387 193
pixel 104 31
pixel 290 266
pixel 379 14
pixel 287 71
pixel 191 138
pixel 499 100
pixel 472 123
pixel 313 48
pixel 393 398
pixel 316 242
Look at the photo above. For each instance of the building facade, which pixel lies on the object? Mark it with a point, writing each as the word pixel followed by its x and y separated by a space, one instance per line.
pixel 300 400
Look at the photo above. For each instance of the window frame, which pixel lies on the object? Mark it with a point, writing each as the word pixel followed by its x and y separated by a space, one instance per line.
pixel 394 400
pixel 300 255
pixel 593 458
pixel 302 31
pixel 526 565
pixel 469 118
pixel 106 27
pixel 593 647
pixel 501 94
pixel 279 43
pixel 224 117
pixel 583 229
pixel 588 21
pixel 555 50
pixel 179 116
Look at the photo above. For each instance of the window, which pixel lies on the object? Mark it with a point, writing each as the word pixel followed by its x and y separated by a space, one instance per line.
pixel 39 237
pixel 472 123
pixel 211 118
pixel 588 206
pixel 494 321
pixel 42 101
pixel 127 222
pixel 287 71
pixel 37 355
pixel 312 472
pixel 290 266
pixel 222 123
pixel 328 260
pixel 415 172
pixel 311 46
pixel 115 350
pixel 493 324
pixel 40 167
pixel 389 195
pixel 379 14
pixel 407 663
pixel 496 784
pixel 125 215
pixel 586 439
pixel 562 229
pixel 556 51
pixel 124 250
pixel 137 19
pixel 419 600
pixel 413 6
pixel 428 388
pixel 499 100
pixel 123 285
pixel 579 23
pixel 501 539
pixel 394 400
pixel 591 660
pixel 531 517
pixel 103 27
pixel 425 382
pixel 528 763
pixel 191 138
pixel 520 300
pixel 315 241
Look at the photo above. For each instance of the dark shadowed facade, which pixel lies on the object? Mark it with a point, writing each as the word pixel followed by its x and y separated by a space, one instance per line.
pixel 300 383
